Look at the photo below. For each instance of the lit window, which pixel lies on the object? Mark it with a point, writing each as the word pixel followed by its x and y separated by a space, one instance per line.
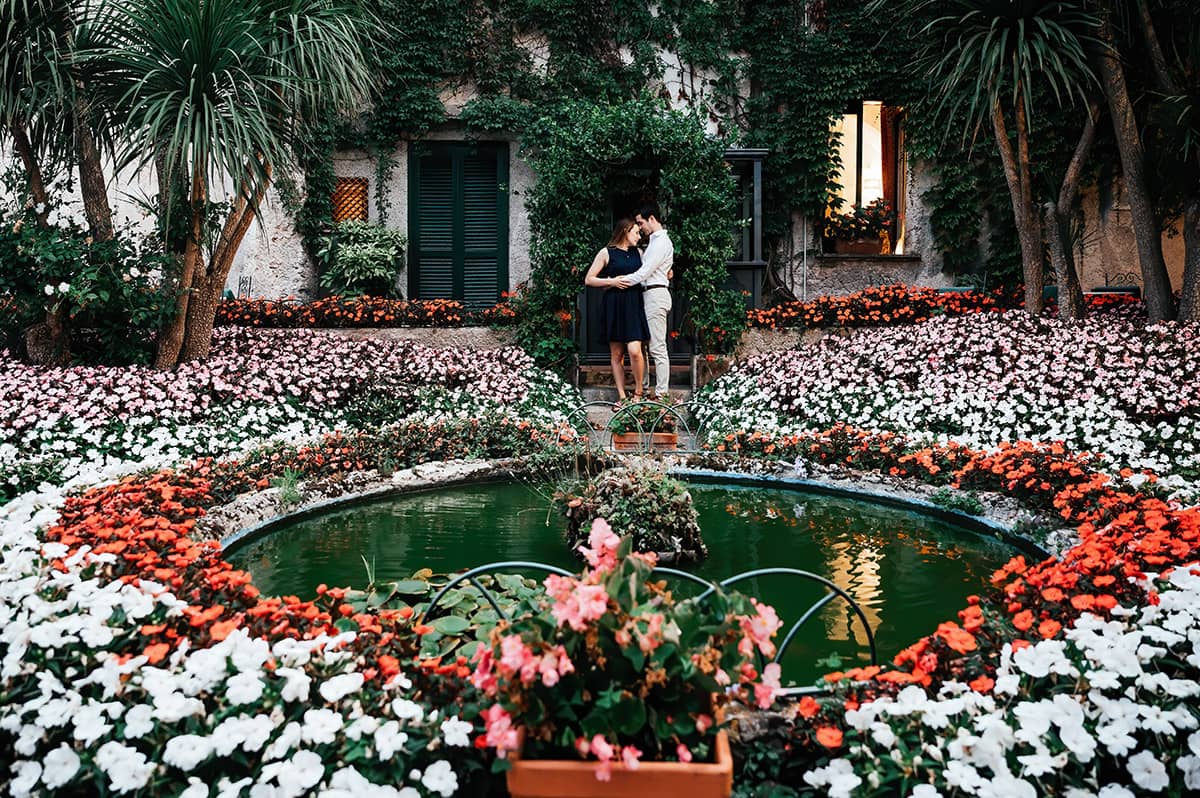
pixel 870 142
pixel 350 199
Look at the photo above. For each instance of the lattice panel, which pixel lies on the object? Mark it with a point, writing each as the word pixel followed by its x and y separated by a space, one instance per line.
pixel 350 199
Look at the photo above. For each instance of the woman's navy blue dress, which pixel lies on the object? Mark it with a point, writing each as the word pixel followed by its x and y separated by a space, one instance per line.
pixel 624 315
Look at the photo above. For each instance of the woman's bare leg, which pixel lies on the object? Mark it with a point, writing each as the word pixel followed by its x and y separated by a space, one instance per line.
pixel 616 357
pixel 638 364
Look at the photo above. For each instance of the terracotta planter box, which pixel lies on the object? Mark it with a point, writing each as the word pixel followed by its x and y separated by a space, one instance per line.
pixel 563 778
pixel 859 246
pixel 634 441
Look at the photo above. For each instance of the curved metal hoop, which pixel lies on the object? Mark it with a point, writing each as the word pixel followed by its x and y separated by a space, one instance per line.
pixel 709 589
pixel 469 576
pixel 834 592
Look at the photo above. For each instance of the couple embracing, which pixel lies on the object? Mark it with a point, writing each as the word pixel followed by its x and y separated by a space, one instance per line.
pixel 637 302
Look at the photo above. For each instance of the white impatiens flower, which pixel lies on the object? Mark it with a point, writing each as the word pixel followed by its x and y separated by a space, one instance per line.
pixel 25 777
pixel 407 710
pixel 296 685
pixel 300 774
pixel 1147 772
pixel 195 789
pixel 139 721
pixel 925 791
pixel 389 739
pixel 126 767
pixel 456 732
pixel 187 751
pixel 341 686
pixel 321 726
pixel 61 765
pixel 244 688
pixel 439 778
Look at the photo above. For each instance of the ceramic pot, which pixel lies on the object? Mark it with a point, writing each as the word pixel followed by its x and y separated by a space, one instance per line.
pixel 564 778
pixel 859 246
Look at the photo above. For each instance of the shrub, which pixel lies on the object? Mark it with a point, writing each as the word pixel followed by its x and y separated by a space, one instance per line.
pixel 360 258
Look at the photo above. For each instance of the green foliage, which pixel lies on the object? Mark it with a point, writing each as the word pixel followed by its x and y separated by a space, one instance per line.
pixel 288 484
pixel 644 503
pixel 962 501
pixel 361 258
pixel 110 291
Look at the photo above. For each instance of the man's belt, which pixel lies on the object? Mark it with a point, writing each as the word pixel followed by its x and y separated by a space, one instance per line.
pixel 652 287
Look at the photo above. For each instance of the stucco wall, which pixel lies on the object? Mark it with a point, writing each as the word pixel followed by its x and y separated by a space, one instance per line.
pixel 1107 251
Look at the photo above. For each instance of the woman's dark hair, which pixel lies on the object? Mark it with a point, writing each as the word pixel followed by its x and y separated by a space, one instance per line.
pixel 619 230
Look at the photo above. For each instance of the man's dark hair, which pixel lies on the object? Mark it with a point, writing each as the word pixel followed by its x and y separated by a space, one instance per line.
pixel 648 210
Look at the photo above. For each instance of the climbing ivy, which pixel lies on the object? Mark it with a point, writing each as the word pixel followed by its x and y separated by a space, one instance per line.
pixel 577 149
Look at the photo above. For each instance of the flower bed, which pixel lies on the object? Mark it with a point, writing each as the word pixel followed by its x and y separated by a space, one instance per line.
pixel 365 311
pixel 1073 675
pixel 1104 386
pixel 58 424
pixel 883 306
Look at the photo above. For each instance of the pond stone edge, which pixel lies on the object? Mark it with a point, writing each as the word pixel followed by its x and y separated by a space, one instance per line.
pixel 444 474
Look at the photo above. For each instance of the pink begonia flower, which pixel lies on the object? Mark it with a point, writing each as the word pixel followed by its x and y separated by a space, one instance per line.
pixel 652 639
pixel 553 665
pixel 703 723
pixel 559 588
pixel 602 748
pixel 630 756
pixel 765 691
pixel 586 603
pixel 721 677
pixel 682 753
pixel 761 628
pixel 604 770
pixel 514 654
pixel 582 746
pixel 601 551
pixel 500 732
pixel 484 678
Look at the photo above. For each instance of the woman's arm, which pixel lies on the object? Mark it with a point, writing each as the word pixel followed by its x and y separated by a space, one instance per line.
pixel 598 263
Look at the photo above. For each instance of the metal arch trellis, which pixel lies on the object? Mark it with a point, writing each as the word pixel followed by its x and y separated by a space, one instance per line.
pixel 833 591
pixel 688 442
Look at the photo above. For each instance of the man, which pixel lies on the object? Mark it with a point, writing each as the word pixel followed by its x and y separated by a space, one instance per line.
pixel 655 273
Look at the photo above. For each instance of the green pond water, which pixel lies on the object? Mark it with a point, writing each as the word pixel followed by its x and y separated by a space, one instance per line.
pixel 907 571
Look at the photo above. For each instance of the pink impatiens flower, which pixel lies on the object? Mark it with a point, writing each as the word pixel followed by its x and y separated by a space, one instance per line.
pixel 585 603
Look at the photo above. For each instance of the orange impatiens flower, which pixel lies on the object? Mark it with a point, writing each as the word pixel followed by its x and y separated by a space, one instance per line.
pixel 829 736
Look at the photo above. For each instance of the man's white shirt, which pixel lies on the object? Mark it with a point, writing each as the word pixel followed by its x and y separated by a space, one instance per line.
pixel 656 261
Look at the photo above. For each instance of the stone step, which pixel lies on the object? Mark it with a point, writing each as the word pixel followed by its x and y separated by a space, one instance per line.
pixel 601 375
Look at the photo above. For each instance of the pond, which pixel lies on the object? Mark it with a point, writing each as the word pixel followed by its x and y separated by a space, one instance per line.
pixel 908 571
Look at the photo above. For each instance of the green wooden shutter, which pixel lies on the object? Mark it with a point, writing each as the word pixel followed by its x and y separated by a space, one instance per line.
pixel 458 221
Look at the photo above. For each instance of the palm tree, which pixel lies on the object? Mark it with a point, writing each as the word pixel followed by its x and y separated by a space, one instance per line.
pixel 220 91
pixel 985 60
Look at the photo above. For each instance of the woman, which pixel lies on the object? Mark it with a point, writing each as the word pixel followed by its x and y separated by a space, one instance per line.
pixel 623 322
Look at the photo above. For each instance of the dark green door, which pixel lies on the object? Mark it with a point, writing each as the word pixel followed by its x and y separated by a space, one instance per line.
pixel 458 221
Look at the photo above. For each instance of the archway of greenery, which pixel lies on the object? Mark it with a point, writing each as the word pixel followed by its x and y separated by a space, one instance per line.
pixel 577 151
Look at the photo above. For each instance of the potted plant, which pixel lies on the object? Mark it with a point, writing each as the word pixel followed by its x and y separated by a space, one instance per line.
pixel 862 231
pixel 640 424
pixel 612 688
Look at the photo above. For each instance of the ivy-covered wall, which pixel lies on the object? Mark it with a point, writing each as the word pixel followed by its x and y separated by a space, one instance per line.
pixel 770 74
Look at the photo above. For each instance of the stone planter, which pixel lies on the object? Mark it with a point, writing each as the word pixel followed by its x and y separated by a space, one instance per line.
pixel 859 246
pixel 564 778
pixel 706 368
pixel 637 441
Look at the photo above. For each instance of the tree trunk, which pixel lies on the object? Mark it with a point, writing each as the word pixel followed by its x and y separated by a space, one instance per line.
pixel 202 311
pixel 1016 174
pixel 170 340
pixel 1058 225
pixel 1189 303
pixel 1156 283
pixel 197 341
pixel 33 171
pixel 92 185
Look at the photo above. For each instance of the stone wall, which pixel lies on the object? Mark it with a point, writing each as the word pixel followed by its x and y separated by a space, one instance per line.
pixel 441 337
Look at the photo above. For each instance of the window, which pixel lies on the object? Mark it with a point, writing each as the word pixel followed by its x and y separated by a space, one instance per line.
pixel 350 199
pixel 458 221
pixel 870 147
